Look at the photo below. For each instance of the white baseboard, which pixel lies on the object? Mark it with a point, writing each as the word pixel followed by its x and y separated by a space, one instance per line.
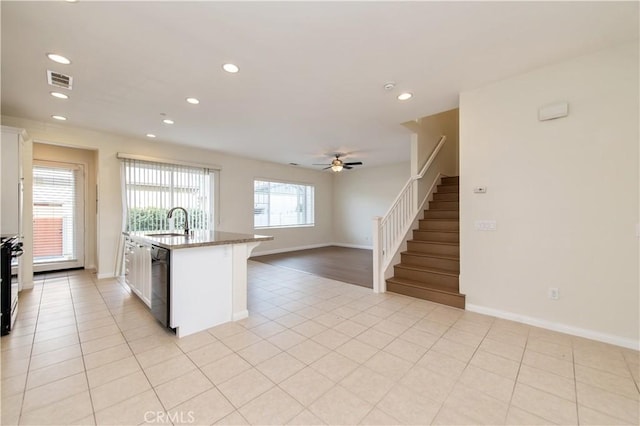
pixel 240 315
pixel 27 285
pixel 284 250
pixel 355 246
pixel 103 275
pixel 312 246
pixel 554 326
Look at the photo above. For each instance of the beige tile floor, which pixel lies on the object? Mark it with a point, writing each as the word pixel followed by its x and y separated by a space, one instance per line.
pixel 313 351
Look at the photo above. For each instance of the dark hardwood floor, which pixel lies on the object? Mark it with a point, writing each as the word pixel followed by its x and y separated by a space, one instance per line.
pixel 354 266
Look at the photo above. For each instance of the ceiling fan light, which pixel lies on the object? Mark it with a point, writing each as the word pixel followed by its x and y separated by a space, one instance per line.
pixel 336 167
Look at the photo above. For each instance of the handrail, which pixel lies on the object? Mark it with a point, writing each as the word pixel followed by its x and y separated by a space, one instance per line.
pixel 390 229
pixel 420 175
pixel 432 157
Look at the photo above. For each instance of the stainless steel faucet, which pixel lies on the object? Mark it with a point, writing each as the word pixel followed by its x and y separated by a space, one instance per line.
pixel 186 218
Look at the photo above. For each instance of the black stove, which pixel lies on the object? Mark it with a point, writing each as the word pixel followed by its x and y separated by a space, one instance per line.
pixel 10 249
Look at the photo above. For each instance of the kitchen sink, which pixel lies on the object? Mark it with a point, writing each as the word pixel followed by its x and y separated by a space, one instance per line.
pixel 167 234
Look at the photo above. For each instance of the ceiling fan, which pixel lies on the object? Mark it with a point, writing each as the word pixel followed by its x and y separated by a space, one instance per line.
pixel 337 164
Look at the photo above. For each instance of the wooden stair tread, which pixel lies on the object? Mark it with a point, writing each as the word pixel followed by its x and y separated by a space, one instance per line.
pixel 444 218
pixel 427 269
pixel 421 285
pixel 437 256
pixel 437 230
pixel 434 242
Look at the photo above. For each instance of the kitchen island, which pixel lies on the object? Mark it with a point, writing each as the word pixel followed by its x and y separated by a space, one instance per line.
pixel 195 281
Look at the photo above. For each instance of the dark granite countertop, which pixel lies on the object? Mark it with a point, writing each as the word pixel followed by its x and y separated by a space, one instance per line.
pixel 178 240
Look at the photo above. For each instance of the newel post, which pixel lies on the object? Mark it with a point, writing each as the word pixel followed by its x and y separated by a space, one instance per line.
pixel 378 275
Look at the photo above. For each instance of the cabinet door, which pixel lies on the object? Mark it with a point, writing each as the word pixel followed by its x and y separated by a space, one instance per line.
pixel 128 264
pixel 134 276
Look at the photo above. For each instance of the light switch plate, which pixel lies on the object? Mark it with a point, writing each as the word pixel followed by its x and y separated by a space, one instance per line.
pixel 485 225
pixel 479 189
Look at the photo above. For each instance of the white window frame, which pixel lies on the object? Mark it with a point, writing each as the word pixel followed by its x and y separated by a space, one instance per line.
pixel 270 180
pixel 213 220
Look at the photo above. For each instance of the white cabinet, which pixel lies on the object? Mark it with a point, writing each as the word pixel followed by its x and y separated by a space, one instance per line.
pixel 137 264
pixel 11 161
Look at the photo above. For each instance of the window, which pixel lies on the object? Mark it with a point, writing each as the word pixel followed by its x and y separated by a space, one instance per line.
pixel 278 204
pixel 151 189
pixel 57 216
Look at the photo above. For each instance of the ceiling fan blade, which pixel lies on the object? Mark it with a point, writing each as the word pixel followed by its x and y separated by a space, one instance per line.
pixel 356 163
pixel 347 167
pixel 326 168
pixel 315 164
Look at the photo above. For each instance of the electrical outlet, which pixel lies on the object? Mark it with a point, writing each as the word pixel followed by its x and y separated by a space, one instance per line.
pixel 485 225
pixel 554 293
pixel 479 189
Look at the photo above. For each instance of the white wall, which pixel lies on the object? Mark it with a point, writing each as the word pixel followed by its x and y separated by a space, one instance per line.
pixel 359 195
pixel 427 132
pixel 564 194
pixel 236 186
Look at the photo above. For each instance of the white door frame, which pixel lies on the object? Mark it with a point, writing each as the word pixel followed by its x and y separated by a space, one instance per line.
pixel 79 216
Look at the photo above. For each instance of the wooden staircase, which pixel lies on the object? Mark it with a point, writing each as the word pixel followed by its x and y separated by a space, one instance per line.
pixel 430 267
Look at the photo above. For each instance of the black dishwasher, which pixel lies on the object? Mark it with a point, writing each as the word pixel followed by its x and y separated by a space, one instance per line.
pixel 160 283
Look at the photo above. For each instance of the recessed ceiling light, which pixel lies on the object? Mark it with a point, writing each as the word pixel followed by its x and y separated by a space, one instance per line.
pixel 71 1
pixel 167 121
pixel 151 135
pixel 405 96
pixel 59 117
pixel 59 95
pixel 58 58
pixel 230 68
pixel 193 101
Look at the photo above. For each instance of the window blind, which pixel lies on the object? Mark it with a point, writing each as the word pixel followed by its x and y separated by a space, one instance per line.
pixel 152 189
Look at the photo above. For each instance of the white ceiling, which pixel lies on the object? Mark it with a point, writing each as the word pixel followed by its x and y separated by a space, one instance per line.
pixel 311 74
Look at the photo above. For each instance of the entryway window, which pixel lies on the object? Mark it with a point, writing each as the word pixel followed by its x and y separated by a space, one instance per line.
pixel 58 216
pixel 282 204
pixel 151 189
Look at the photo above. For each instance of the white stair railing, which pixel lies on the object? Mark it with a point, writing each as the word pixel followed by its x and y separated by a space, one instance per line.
pixel 389 230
